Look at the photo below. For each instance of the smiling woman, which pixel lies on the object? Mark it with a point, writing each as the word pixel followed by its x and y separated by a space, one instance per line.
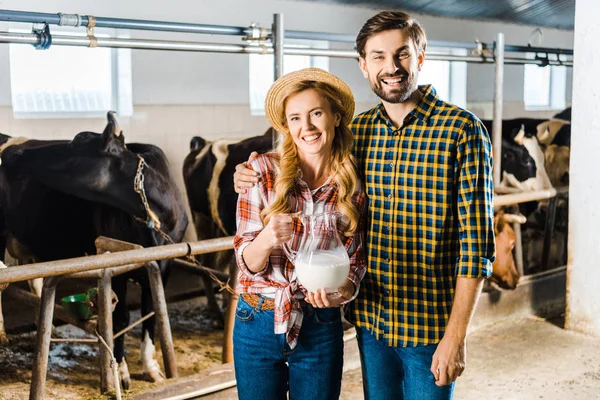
pixel 312 172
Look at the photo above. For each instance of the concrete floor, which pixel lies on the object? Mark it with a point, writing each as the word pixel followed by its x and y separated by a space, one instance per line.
pixel 521 359
pixel 515 359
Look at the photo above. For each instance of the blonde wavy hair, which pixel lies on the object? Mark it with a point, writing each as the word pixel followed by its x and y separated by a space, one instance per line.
pixel 342 163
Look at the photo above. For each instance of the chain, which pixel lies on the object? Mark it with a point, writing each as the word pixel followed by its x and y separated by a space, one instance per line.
pixel 153 222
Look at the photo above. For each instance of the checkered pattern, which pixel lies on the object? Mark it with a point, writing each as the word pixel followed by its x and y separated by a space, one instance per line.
pixel 278 278
pixel 430 193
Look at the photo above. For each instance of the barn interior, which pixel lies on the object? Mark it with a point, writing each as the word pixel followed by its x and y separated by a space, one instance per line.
pixel 168 97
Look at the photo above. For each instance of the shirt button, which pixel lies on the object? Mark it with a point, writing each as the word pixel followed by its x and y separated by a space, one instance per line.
pixel 386 229
pixel 387 292
pixel 392 164
pixel 390 196
pixel 387 260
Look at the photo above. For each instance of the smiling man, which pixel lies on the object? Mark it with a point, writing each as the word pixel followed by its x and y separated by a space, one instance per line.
pixel 426 165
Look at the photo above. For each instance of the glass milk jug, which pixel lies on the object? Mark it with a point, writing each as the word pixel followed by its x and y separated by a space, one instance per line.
pixel 321 261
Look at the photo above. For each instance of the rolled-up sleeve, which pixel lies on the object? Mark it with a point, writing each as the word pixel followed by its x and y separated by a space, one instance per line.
pixel 475 202
pixel 249 224
pixel 354 246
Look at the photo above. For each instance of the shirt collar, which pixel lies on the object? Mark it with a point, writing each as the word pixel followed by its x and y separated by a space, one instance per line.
pixel 422 110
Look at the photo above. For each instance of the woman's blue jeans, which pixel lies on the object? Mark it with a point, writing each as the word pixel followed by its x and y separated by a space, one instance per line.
pixel 400 373
pixel 265 366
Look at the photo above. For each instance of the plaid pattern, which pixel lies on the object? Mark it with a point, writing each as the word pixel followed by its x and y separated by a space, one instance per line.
pixel 278 278
pixel 430 192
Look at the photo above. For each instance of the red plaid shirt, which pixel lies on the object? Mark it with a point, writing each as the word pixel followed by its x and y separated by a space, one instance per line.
pixel 278 279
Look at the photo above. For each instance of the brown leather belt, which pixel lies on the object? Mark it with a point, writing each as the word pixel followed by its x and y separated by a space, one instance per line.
pixel 254 299
pixel 267 304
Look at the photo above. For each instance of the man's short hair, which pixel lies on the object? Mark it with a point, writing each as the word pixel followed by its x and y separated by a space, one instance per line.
pixel 389 20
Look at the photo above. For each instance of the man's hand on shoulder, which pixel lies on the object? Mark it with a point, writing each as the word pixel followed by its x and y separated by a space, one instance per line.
pixel 244 177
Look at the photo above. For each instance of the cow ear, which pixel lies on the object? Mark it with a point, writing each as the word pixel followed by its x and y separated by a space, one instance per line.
pixel 113 139
pixel 498 223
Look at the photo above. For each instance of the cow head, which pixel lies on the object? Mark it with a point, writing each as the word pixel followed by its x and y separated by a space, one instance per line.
pixel 112 137
pixel 95 167
pixel 522 166
pixel 548 131
pixel 517 161
pixel 505 272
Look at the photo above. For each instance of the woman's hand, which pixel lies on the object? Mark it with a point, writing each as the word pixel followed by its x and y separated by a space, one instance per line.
pixel 278 230
pixel 320 298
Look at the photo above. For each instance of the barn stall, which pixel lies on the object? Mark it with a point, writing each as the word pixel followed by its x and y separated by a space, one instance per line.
pixel 477 53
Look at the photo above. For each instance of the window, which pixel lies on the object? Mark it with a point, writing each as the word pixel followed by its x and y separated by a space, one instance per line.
pixel 69 81
pixel 448 78
pixel 545 88
pixel 261 71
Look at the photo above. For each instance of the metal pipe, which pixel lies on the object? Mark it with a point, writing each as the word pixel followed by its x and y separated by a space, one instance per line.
pixel 278 38
pixel 183 27
pixel 523 197
pixel 105 330
pixel 162 319
pixel 73 340
pixel 164 26
pixel 101 261
pixel 326 36
pixel 121 23
pixel 44 334
pixel 97 274
pixel 164 45
pixel 528 49
pixel 498 98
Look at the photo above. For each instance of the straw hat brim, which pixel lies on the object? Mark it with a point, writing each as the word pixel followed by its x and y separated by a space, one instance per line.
pixel 274 100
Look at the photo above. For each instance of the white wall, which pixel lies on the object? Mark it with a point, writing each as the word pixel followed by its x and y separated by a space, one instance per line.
pixel 583 272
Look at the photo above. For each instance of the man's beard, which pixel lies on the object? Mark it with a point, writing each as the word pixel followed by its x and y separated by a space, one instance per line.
pixel 396 95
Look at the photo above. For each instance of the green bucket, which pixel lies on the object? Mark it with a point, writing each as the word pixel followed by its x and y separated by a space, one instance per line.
pixel 78 305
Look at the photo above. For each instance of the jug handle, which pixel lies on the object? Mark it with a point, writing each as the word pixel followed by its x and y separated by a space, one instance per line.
pixel 289 253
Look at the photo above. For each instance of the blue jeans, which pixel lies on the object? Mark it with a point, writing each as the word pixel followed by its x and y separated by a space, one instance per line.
pixel 398 372
pixel 265 366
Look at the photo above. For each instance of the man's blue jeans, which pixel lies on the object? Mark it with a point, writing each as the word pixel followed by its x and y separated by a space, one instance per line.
pixel 399 373
pixel 265 366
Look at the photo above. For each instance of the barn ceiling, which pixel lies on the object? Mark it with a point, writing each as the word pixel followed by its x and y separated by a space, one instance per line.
pixel 544 13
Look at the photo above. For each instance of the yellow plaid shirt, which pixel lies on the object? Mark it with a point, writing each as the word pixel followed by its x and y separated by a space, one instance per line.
pixel 430 193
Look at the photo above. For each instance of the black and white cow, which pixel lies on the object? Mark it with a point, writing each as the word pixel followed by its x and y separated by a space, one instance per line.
pixel 522 163
pixel 556 130
pixel 208 172
pixel 512 127
pixel 56 197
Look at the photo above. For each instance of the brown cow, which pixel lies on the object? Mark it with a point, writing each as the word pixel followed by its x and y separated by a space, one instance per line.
pixel 505 272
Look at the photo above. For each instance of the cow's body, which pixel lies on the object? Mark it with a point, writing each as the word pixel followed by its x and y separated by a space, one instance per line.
pixel 208 171
pixel 58 196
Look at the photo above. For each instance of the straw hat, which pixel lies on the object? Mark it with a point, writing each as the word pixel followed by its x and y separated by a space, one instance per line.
pixel 274 100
